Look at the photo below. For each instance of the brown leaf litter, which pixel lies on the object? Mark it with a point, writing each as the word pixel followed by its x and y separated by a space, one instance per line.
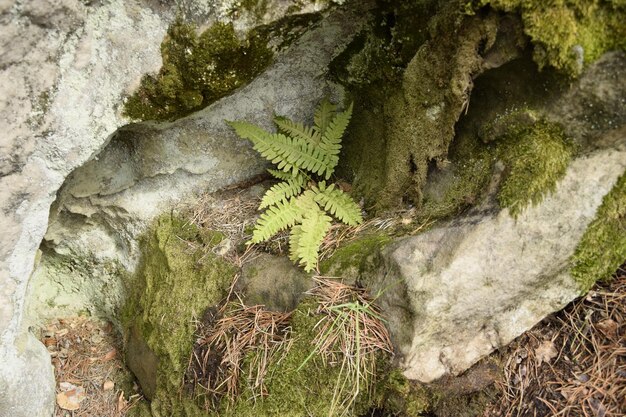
pixel 573 364
pixel 87 366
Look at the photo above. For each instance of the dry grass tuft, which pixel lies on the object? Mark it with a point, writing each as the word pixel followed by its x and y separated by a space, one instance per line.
pixel 87 368
pixel 226 339
pixel 352 334
pixel 573 364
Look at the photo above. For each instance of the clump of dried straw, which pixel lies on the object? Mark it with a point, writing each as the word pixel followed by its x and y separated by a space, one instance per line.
pixel 352 334
pixel 234 334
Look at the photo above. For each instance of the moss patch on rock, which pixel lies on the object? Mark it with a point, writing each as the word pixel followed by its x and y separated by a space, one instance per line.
pixel 569 33
pixel 459 182
pixel 412 122
pixel 602 248
pixel 197 70
pixel 175 283
pixel 535 158
pixel 354 258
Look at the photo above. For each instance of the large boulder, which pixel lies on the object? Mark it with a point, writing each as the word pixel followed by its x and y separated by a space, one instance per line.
pixel 463 289
pixel 147 169
pixel 63 76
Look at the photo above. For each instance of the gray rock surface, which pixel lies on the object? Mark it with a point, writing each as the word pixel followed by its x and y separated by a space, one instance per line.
pixel 62 77
pixel 461 290
pixel 274 282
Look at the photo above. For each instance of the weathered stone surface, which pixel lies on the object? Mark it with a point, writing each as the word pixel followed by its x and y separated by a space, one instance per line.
pixel 62 76
pixel 147 169
pixel 468 287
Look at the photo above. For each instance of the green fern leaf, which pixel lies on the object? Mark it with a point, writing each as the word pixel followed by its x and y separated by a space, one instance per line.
pixel 276 218
pixel 331 139
pixel 297 130
pixel 282 191
pixel 323 115
pixel 281 175
pixel 267 144
pixel 339 204
pixel 296 152
pixel 294 243
pixel 314 227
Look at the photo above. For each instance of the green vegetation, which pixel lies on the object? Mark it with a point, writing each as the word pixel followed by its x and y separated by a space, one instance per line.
pixel 197 70
pixel 356 257
pixel 568 33
pixel 177 280
pixel 535 159
pixel 303 383
pixel 406 121
pixel 602 248
pixel 304 155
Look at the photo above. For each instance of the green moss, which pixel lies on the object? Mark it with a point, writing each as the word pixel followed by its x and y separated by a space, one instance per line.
pixel 296 390
pixel 397 396
pixel 569 33
pixel 412 123
pixel 355 257
pixel 535 158
pixel 197 70
pixel 602 248
pixel 293 391
pixel 177 280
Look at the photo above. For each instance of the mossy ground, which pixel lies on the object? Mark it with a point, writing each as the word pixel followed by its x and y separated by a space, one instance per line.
pixel 602 248
pixel 301 384
pixel 177 280
pixel 568 34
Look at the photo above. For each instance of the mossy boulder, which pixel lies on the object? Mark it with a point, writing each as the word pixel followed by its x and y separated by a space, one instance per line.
pixel 197 70
pixel 178 279
pixel 411 123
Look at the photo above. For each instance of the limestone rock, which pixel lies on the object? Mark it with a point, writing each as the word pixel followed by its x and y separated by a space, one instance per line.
pixel 461 290
pixel 62 76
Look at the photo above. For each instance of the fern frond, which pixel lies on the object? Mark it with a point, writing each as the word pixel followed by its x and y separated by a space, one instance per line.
pixel 295 152
pixel 282 191
pixel 267 144
pixel 294 243
pixel 313 229
pixel 323 115
pixel 297 130
pixel 276 218
pixel 331 139
pixel 339 204
pixel 281 175
pixel 306 202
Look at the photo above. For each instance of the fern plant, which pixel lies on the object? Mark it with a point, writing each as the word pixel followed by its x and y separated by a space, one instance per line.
pixel 305 158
